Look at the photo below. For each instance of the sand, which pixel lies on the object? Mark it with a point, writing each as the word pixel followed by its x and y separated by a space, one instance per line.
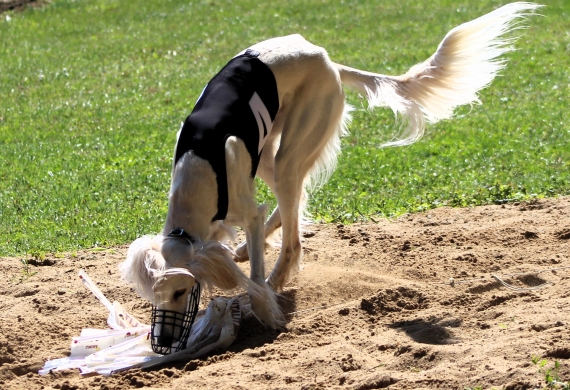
pixel 412 303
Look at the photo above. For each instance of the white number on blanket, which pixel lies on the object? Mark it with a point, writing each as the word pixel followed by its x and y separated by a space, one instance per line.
pixel 264 123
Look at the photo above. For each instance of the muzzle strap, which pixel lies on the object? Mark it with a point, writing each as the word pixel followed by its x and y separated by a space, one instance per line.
pixel 180 233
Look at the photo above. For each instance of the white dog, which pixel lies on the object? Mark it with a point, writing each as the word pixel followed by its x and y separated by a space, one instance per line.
pixel 278 110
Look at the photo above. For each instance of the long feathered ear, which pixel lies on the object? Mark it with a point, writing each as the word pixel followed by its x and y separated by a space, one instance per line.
pixel 213 263
pixel 143 261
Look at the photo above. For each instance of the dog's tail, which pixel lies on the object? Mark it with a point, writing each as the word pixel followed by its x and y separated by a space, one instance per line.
pixel 465 62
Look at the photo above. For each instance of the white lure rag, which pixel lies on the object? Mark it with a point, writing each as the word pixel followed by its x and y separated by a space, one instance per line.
pixel 127 344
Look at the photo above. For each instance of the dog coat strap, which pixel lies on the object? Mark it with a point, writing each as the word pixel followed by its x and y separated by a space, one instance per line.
pixel 242 101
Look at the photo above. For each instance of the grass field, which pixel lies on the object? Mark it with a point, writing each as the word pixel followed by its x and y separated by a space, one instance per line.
pixel 93 92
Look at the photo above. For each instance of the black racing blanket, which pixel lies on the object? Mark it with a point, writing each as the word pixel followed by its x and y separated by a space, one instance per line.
pixel 242 101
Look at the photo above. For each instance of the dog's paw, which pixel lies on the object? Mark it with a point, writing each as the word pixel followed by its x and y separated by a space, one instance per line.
pixel 275 283
pixel 265 307
pixel 241 253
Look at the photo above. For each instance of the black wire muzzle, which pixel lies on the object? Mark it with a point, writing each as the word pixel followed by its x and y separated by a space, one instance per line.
pixel 174 326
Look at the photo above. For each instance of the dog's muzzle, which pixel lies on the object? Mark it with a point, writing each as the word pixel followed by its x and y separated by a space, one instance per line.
pixel 170 329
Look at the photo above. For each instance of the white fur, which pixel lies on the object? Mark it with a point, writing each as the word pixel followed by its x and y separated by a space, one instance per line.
pixel 303 148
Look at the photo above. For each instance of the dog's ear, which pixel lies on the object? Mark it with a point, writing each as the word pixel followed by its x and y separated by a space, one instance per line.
pixel 213 264
pixel 143 261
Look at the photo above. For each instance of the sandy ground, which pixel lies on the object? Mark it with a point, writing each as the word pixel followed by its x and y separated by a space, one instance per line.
pixel 403 304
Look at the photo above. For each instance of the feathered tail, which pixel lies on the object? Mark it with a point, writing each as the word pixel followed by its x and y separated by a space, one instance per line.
pixel 465 62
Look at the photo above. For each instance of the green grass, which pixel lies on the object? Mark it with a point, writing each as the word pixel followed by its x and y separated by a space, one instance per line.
pixel 551 375
pixel 93 92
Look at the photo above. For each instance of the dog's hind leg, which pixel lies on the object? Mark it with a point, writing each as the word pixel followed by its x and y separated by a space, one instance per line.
pixel 313 124
pixel 272 224
pixel 288 194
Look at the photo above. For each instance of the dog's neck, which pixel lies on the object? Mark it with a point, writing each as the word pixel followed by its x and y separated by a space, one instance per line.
pixel 193 197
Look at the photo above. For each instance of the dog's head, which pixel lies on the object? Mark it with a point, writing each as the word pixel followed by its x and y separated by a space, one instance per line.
pixel 169 272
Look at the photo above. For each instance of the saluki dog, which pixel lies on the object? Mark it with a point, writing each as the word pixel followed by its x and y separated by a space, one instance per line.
pixel 278 110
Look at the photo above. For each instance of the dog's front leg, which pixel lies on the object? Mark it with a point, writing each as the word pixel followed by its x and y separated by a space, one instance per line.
pixel 263 298
pixel 255 238
pixel 243 211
